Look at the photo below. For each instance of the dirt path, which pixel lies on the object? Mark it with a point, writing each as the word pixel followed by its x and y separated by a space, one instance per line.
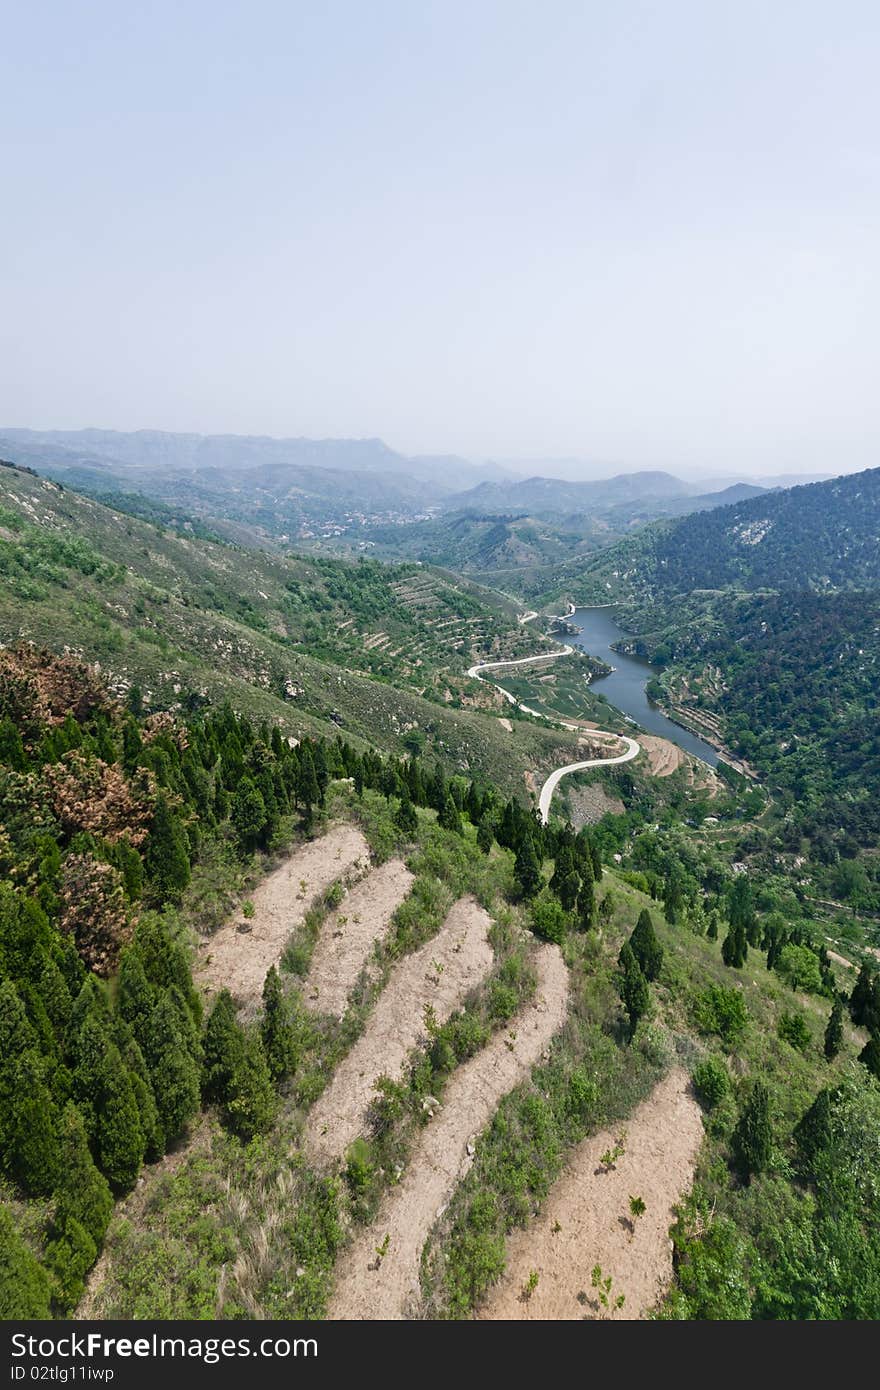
pixel 441 1159
pixel 239 961
pixel 348 935
pixel 438 974
pixel 586 1219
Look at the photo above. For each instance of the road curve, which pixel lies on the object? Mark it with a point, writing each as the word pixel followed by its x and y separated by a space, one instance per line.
pixel 632 747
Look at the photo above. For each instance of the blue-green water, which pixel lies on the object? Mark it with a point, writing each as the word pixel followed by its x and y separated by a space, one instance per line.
pixel 625 687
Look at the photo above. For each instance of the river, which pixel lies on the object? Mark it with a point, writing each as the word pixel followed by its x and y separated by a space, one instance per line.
pixel 625 687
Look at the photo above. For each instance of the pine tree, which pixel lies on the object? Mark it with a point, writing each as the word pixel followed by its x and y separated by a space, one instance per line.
pixel 752 1139
pixel 322 774
pixel 860 999
pixel 405 818
pixel 449 816
pixel 673 895
pixel 174 1073
pixel 565 882
pixel 28 1124
pixel 12 752
pixel 485 837
pixel 82 1192
pixel 148 1112
pixel 277 1028
pixel 166 857
pixel 735 947
pixel 634 990
pixel 586 905
pixel 70 1254
pixel 135 996
pixel 645 946
pixel 25 1289
pixel 221 1048
pixel 834 1030
pixel 308 792
pixel 527 869
pixel 252 1104
pixel 248 814
pixel 870 1055
pixel 119 1139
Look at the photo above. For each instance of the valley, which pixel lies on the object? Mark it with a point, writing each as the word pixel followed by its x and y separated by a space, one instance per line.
pixel 374 947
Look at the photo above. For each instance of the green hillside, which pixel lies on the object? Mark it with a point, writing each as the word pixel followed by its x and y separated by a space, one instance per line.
pixel 315 644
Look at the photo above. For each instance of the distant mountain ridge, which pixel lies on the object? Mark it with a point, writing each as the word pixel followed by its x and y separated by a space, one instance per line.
pixel 646 494
pixel 151 452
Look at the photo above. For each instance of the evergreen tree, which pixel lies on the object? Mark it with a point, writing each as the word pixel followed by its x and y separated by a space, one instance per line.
pixel 860 999
pixel 148 1112
pixel 527 869
pixel 565 882
pixel 221 1048
pixel 405 817
pixel 277 1028
pixel 735 947
pixel 634 990
pixel 322 775
pixel 119 1139
pixel 449 816
pixel 645 946
pixel 473 804
pixel 308 793
pixel 834 1030
pixel 12 752
pixel 25 1289
pixel 251 1105
pixel 752 1139
pixel 248 814
pixel 28 1124
pixel 174 1073
pixel 870 1055
pixel 485 837
pixel 82 1192
pixel 741 912
pixel 673 895
pixel 70 1254
pixel 166 857
pixel 135 996
pixel 586 905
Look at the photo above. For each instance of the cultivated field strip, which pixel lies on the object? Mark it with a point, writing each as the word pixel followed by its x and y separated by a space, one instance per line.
pixel 368 1288
pixel 349 934
pixel 587 1221
pixel 439 974
pixel 239 961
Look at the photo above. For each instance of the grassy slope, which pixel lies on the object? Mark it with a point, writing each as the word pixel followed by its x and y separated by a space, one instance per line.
pixel 183 617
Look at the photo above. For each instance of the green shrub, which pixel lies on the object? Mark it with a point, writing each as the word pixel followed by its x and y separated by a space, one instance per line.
pixel 721 1011
pixel 792 1028
pixel 711 1082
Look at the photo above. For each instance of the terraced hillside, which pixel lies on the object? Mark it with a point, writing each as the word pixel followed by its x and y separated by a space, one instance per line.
pixel 314 645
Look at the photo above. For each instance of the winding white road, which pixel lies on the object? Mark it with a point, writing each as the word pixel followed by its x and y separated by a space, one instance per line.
pixel 632 747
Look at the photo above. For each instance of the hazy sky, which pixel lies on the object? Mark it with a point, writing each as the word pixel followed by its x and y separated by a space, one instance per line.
pixel 641 233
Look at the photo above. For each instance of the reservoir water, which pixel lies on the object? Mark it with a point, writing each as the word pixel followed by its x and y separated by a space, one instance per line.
pixel 625 687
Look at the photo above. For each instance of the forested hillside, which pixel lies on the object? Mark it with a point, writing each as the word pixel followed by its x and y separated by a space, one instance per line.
pixel 123 834
pixel 822 536
pixel 799 693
